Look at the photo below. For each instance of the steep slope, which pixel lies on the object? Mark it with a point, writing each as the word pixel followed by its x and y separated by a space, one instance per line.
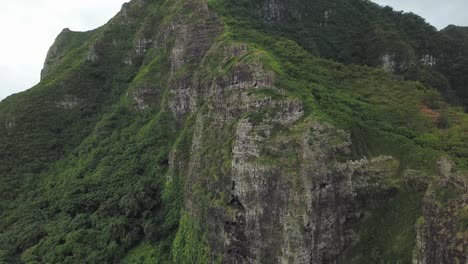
pixel 70 118
pixel 361 32
pixel 204 132
pixel 454 63
pixel 442 236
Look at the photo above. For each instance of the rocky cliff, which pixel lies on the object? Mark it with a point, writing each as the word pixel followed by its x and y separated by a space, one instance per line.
pixel 206 132
pixel 398 42
pixel 442 236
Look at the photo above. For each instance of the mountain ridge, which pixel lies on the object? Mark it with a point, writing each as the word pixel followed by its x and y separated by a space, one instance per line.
pixel 193 132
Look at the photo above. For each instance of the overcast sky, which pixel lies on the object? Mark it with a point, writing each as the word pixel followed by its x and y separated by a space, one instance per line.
pixel 439 13
pixel 29 27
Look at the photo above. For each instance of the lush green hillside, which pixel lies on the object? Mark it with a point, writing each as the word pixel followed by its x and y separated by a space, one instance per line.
pixel 355 84
pixel 454 64
pixel 126 150
pixel 364 33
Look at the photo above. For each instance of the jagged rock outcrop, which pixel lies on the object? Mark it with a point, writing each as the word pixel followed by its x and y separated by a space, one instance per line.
pixel 192 42
pixel 68 102
pixel 274 10
pixel 443 228
pixel 261 194
pixel 286 199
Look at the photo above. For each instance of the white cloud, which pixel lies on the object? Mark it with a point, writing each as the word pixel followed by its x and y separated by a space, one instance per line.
pixel 29 28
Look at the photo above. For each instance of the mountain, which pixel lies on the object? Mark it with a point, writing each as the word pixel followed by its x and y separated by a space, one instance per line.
pixel 221 131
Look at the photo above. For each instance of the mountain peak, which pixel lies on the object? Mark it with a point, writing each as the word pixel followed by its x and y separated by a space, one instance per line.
pixel 240 132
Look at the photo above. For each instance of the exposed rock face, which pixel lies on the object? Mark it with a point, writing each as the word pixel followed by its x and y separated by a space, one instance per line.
pixel 297 214
pixel 388 62
pixel 402 59
pixel 144 96
pixel 287 199
pixel 274 10
pixel 142 45
pixel 192 42
pixel 326 16
pixel 266 185
pixel 428 60
pixel 11 123
pixel 443 229
pixel 93 54
pixel 68 102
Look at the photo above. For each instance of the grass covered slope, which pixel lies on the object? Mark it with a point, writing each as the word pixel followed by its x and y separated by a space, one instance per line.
pixel 94 161
pixel 364 33
pixel 360 99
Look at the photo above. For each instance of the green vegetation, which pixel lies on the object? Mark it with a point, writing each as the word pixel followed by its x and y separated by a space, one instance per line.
pixel 147 253
pixel 387 233
pixel 463 219
pixel 85 173
pixel 189 245
pixel 384 114
pixel 85 183
pixel 446 194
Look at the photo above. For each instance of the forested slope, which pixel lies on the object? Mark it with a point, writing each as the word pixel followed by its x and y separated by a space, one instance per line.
pixel 241 132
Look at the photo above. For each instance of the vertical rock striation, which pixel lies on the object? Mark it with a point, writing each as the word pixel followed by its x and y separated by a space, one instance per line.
pixel 443 228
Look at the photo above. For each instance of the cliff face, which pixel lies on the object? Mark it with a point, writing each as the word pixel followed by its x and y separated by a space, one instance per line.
pixel 268 184
pixel 442 236
pixel 401 43
pixel 203 132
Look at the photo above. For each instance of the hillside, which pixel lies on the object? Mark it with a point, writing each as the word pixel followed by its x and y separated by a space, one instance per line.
pixel 220 131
